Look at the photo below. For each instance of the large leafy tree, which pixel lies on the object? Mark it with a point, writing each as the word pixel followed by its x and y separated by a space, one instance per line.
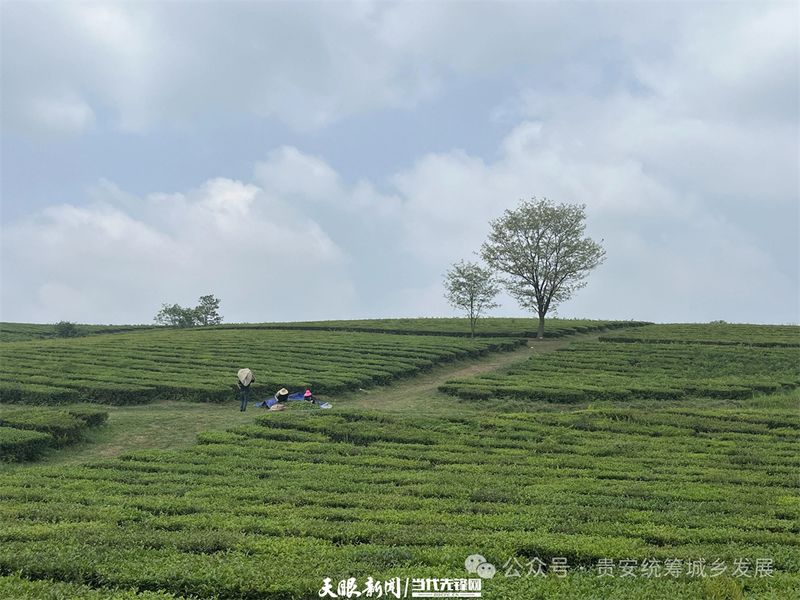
pixel 541 249
pixel 472 288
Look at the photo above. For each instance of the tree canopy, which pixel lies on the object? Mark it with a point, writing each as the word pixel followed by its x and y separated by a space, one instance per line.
pixel 66 329
pixel 541 249
pixel 472 288
pixel 205 313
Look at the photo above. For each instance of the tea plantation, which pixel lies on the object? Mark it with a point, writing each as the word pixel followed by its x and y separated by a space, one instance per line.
pixel 491 327
pixel 17 332
pixel 200 364
pixel 497 327
pixel 26 433
pixel 268 510
pixel 619 371
pixel 608 469
pixel 713 333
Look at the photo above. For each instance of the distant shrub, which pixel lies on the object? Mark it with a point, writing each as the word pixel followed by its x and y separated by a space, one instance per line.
pixel 66 329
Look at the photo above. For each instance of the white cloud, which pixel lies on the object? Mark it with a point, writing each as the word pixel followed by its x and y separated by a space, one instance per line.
pixel 117 262
pixel 737 63
pixel 289 171
pixel 670 256
pixel 67 114
pixel 145 65
pixel 676 126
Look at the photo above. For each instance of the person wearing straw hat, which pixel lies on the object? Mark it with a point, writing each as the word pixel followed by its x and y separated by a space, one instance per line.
pixel 277 401
pixel 244 379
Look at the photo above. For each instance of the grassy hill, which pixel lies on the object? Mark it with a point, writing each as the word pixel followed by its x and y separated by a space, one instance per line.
pixel 687 493
pixel 201 364
pixel 622 371
pixel 497 327
pixel 18 332
pixel 488 327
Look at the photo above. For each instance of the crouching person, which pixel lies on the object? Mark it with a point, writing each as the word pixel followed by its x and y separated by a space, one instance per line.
pixel 277 402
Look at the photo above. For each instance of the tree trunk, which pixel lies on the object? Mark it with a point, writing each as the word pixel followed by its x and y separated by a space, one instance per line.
pixel 540 335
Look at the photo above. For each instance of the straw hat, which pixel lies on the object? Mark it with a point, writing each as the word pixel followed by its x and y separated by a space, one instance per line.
pixel 283 392
pixel 278 407
pixel 245 376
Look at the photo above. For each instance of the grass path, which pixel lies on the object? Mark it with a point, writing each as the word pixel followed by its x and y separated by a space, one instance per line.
pixel 420 393
pixel 172 425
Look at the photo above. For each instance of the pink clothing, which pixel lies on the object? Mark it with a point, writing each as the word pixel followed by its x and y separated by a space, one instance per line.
pixel 307 394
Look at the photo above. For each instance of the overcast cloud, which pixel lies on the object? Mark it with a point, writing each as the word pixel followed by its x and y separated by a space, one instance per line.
pixel 331 160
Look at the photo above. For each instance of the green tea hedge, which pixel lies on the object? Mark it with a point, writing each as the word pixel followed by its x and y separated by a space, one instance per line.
pixel 28 431
pixel 613 370
pixel 22 444
pixel 268 510
pixel 201 364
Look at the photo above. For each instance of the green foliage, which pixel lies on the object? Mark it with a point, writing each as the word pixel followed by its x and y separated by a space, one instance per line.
pixel 715 334
pixel 541 249
pixel 26 432
pixel 92 416
pixel 21 444
pixel 63 427
pixel 200 364
pixel 175 316
pixel 204 314
pixel 268 510
pixel 17 332
pixel 66 329
pixel 624 371
pixel 207 311
pixel 471 288
pixel 497 327
pixel 19 588
pixel 487 327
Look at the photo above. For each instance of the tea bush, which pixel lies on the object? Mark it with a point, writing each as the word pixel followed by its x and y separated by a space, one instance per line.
pixel 268 510
pixel 25 433
pixel 614 370
pixel 201 364
pixel 712 333
pixel 21 444
pixel 486 327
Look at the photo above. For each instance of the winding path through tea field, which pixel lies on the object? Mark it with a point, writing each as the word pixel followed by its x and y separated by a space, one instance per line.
pixel 169 425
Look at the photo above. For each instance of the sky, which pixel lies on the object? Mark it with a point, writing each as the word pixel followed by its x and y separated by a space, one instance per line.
pixel 324 160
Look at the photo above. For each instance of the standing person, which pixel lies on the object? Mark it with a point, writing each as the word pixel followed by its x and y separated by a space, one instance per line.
pixel 245 378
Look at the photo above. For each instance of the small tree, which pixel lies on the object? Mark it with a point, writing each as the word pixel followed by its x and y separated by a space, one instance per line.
pixel 207 311
pixel 472 288
pixel 175 316
pixel 66 329
pixel 541 248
